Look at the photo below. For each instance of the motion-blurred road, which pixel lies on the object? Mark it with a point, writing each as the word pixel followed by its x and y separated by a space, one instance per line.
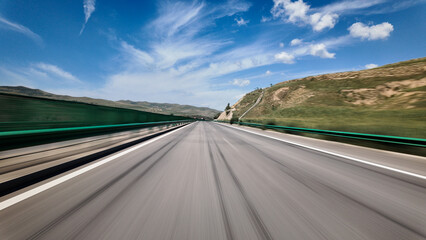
pixel 210 181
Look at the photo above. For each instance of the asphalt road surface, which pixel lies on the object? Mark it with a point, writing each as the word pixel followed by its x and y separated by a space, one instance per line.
pixel 210 181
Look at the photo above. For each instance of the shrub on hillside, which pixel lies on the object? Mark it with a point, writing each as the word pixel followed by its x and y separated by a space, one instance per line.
pixel 271 122
pixel 233 120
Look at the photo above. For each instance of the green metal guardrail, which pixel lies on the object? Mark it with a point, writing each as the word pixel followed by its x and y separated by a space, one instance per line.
pixel 36 137
pixel 417 142
pixel 17 139
pixel 31 113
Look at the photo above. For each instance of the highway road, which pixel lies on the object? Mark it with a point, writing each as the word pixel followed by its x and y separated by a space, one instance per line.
pixel 211 181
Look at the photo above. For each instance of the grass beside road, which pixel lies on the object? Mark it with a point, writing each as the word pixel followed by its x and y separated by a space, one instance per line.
pixel 407 123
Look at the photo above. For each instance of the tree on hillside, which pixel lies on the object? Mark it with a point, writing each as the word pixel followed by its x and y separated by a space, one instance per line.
pixel 227 107
pixel 233 120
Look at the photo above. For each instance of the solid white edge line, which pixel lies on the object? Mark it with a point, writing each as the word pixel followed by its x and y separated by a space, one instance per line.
pixel 334 154
pixel 25 195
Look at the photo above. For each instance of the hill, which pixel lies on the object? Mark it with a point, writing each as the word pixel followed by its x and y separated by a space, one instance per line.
pixel 388 100
pixel 163 108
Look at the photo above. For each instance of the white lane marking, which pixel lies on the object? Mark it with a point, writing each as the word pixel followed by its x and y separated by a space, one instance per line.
pixel 230 144
pixel 334 154
pixel 21 197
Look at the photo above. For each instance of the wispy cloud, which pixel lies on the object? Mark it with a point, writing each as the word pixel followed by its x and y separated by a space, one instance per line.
pixel 176 33
pixel 241 21
pixel 231 7
pixel 319 48
pixel 371 65
pixel 349 6
pixel 6 24
pixel 192 53
pixel 135 57
pixel 266 75
pixel 56 71
pixel 89 8
pixel 326 17
pixel 45 76
pixel 265 19
pixel 240 82
pixel 177 17
pixel 397 6
pixel 296 42
pixel 181 60
pixel 14 78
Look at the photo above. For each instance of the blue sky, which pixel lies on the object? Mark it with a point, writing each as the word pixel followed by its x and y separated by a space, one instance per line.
pixel 203 53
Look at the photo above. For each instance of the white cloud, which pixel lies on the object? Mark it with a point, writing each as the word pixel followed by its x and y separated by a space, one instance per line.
pixel 230 8
pixel 4 23
pixel 170 54
pixel 284 57
pixel 268 72
pixel 338 41
pixel 166 87
pixel 265 19
pixel 41 75
pixel 397 6
pixel 135 56
pixel 241 21
pixel 175 32
pixel 320 50
pixel 295 42
pixel 241 82
pixel 12 78
pixel 326 17
pixel 55 70
pixel 281 45
pixel 179 63
pixel 371 65
pixel 89 8
pixel 234 64
pixel 177 17
pixel 374 32
pixel 298 12
pixel 349 6
pixel 322 21
pixel 294 11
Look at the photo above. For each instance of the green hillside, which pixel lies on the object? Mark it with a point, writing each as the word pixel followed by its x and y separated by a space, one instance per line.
pixel 388 100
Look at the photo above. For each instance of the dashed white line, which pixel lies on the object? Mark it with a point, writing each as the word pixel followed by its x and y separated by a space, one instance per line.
pixel 25 195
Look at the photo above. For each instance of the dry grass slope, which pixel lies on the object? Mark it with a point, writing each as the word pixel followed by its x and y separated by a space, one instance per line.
pixel 388 100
